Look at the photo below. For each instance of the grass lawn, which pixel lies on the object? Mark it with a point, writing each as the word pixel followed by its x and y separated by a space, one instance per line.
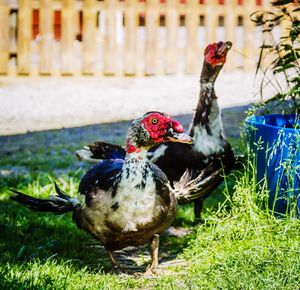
pixel 239 246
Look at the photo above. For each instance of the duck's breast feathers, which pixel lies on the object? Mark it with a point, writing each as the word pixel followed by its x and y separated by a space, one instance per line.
pixel 104 175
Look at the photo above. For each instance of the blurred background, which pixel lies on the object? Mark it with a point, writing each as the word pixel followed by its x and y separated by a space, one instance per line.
pixel 73 63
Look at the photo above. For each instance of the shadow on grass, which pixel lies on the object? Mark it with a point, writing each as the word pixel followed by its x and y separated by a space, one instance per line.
pixel 31 236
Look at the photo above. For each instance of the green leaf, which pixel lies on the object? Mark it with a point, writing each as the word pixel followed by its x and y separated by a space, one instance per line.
pixel 282 68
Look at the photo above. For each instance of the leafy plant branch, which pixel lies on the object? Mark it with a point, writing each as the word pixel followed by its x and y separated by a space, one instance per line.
pixel 284 53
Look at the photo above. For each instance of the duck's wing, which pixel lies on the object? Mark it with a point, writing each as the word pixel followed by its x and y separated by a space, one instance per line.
pixel 188 189
pixel 99 150
pixel 103 177
pixel 161 182
pixel 195 184
pixel 174 158
pixel 104 150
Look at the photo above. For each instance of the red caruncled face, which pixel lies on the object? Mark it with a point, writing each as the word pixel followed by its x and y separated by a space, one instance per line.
pixel 157 126
pixel 215 53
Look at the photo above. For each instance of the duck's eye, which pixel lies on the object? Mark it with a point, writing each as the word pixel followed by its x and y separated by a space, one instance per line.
pixel 154 121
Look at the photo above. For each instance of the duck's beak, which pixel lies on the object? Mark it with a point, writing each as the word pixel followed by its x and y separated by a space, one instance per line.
pixel 178 137
pixel 224 47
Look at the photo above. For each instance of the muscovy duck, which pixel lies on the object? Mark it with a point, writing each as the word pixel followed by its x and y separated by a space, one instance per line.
pixel 125 202
pixel 210 155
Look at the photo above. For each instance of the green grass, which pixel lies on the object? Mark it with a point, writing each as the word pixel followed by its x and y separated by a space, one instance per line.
pixel 239 246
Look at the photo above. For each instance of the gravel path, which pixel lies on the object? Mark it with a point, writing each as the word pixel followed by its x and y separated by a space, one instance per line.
pixel 42 104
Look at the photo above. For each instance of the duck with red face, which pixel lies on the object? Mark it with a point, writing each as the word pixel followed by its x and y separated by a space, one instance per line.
pixel 123 202
pixel 210 155
pixel 153 129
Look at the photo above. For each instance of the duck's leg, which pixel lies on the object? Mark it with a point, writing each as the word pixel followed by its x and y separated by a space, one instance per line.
pixel 198 204
pixel 154 245
pixel 114 262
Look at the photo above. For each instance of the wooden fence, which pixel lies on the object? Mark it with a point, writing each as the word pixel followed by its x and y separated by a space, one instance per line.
pixel 131 37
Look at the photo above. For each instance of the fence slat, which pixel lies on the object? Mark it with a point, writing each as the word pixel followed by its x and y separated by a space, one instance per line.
pixel 192 22
pixel 211 17
pixel 152 18
pixel 68 37
pixel 46 33
pixel 89 40
pixel 230 30
pixel 24 36
pixel 4 37
pixel 109 53
pixel 249 45
pixel 172 26
pixel 130 38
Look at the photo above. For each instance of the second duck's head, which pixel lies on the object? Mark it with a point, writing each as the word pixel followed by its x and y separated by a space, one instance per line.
pixel 214 59
pixel 215 53
pixel 152 129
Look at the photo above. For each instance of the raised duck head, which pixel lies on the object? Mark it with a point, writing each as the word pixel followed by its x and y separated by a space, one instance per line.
pixel 207 116
pixel 214 59
pixel 154 128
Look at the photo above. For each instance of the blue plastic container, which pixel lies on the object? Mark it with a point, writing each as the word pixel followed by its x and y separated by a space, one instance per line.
pixel 275 140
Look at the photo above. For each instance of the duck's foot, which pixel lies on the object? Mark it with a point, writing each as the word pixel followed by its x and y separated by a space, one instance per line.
pixel 150 273
pixel 116 267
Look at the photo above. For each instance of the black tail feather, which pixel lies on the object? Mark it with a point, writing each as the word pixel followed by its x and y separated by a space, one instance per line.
pixel 57 204
pixel 60 192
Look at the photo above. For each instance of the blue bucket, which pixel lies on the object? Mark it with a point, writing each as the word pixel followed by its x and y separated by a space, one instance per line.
pixel 275 141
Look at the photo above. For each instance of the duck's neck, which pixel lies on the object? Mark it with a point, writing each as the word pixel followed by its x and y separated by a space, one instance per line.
pixel 138 155
pixel 135 155
pixel 207 128
pixel 207 105
pixel 207 113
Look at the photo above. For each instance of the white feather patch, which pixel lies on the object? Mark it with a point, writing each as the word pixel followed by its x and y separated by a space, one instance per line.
pixel 204 142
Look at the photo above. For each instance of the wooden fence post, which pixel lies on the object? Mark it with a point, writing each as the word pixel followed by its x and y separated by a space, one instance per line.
pixel 172 25
pixel 24 36
pixel 249 45
pixel 89 37
pixel 211 17
pixel 230 30
pixel 109 53
pixel 4 37
pixel 152 18
pixel 130 38
pixel 192 22
pixel 68 37
pixel 46 33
